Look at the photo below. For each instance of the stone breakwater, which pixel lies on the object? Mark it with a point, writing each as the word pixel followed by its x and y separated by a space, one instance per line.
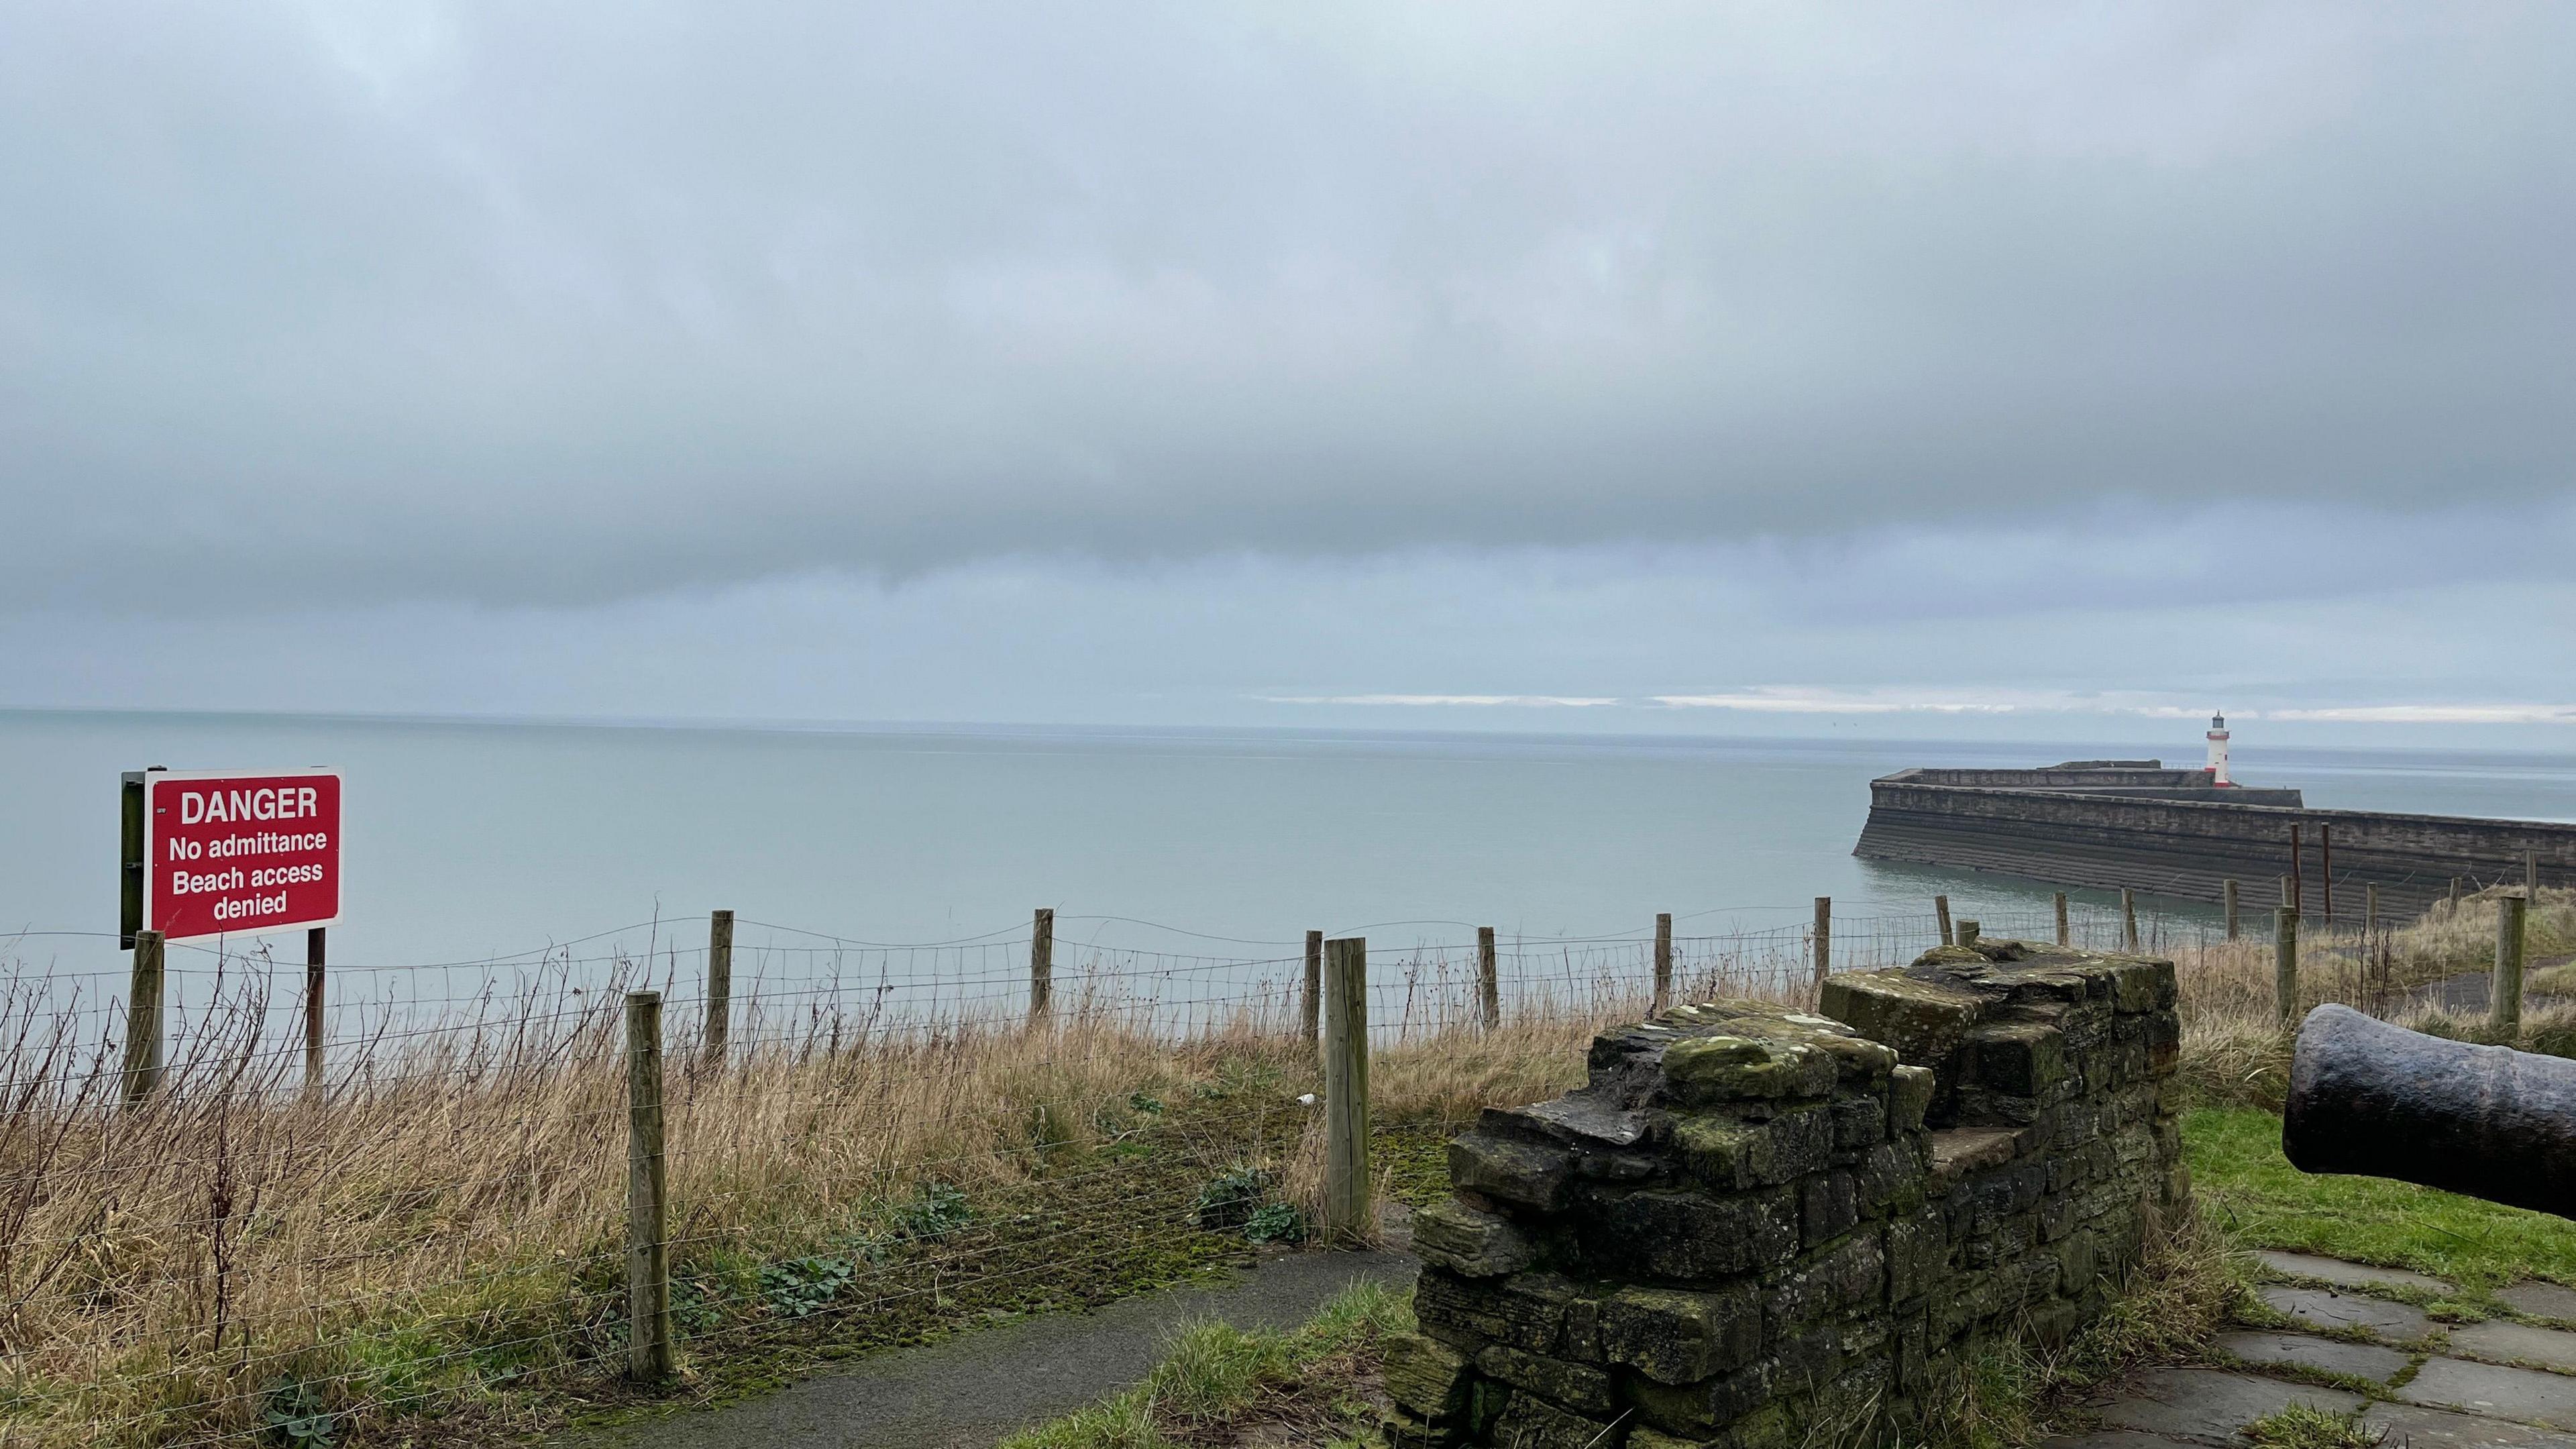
pixel 1753 1221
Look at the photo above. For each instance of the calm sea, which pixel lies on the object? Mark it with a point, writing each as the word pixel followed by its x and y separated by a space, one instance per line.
pixel 470 840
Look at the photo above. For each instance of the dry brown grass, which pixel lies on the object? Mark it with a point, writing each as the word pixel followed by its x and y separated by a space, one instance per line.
pixel 441 1232
pixel 437 1238
pixel 2235 1049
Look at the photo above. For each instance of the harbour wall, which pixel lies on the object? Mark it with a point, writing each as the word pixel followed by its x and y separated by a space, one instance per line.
pixel 2186 844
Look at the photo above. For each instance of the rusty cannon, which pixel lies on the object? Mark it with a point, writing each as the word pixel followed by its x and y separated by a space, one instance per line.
pixel 2376 1100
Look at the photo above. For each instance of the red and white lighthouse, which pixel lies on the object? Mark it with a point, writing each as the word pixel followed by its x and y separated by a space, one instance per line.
pixel 2218 750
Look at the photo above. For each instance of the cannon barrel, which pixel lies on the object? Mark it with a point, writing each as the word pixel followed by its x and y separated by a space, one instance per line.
pixel 2382 1101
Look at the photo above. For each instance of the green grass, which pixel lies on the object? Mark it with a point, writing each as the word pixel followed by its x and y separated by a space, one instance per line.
pixel 1216 1376
pixel 2239 1172
pixel 2302 1427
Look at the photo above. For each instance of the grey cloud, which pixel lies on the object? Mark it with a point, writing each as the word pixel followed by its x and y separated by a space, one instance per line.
pixel 513 304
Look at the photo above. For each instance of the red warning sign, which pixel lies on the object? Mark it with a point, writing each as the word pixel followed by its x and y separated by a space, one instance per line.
pixel 238 855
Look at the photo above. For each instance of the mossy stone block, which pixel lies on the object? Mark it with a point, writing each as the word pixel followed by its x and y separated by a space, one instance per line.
pixel 1923 1020
pixel 1909 1097
pixel 1468 1242
pixel 1424 1376
pixel 1685 1236
pixel 1530 1174
pixel 1713 1069
pixel 1731 1155
pixel 1526 1311
pixel 2018 1058
pixel 1677 1337
pixel 1576 1386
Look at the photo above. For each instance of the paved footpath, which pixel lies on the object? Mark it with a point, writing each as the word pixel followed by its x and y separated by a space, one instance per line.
pixel 967 1392
pixel 2508 1381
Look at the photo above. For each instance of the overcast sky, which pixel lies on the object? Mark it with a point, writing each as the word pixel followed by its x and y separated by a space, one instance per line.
pixel 1744 367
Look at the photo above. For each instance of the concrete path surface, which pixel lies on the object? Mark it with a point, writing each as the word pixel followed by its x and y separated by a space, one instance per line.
pixel 969 1391
pixel 2506 1383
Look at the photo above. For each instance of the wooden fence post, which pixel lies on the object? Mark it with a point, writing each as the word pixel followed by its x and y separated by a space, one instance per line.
pixel 648 1252
pixel 2325 868
pixel 1941 910
pixel 1041 965
pixel 719 985
pixel 2065 937
pixel 2504 1004
pixel 2455 890
pixel 1489 986
pixel 2285 964
pixel 1663 959
pixel 314 949
pixel 2227 900
pixel 2129 920
pixel 2531 876
pixel 1824 940
pixel 143 1020
pixel 2369 910
pixel 2298 900
pixel 1346 1087
pixel 1311 1004
pixel 1968 930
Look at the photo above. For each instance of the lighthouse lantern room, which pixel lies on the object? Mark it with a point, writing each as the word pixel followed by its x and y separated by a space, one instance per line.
pixel 2218 750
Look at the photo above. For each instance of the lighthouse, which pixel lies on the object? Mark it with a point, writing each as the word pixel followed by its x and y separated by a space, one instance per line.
pixel 2218 750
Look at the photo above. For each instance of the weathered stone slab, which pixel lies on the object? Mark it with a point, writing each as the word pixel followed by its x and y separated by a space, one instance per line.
pixel 1731 1155
pixel 1739 1069
pixel 1909 1096
pixel 1424 1376
pixel 1530 1174
pixel 2411 1426
pixel 1467 1242
pixel 2484 1388
pixel 2540 1300
pixel 2325 1308
pixel 2506 1342
pixel 1576 1386
pixel 2343 1274
pixel 1958 1151
pixel 2018 1058
pixel 1676 1337
pixel 2211 1405
pixel 2360 1360
pixel 1923 1020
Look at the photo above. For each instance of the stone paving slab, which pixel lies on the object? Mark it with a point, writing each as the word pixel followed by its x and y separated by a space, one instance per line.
pixel 2211 1405
pixel 2348 1275
pixel 2410 1426
pixel 2506 1393
pixel 2540 1300
pixel 2360 1360
pixel 2507 1342
pixel 2326 1308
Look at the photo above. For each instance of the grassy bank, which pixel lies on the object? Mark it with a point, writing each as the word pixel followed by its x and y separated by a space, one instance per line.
pixel 2264 1202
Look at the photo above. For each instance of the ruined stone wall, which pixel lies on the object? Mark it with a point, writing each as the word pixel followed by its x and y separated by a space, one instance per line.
pixel 1753 1220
